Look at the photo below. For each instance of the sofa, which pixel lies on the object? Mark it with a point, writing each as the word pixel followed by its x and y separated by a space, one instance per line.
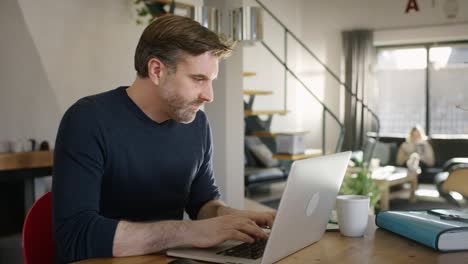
pixel 260 167
pixel 445 149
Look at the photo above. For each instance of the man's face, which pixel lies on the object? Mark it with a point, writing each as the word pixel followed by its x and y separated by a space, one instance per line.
pixel 190 86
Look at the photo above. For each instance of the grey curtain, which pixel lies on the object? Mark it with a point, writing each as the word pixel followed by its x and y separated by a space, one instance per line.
pixel 359 54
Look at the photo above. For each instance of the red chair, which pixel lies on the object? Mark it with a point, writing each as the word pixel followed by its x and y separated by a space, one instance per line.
pixel 38 241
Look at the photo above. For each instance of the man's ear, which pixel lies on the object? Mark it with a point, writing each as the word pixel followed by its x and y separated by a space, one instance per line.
pixel 156 70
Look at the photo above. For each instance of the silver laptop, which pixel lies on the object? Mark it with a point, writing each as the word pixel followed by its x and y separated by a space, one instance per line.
pixel 301 219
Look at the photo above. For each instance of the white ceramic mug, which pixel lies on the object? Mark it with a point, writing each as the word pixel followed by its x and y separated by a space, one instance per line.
pixel 15 145
pixel 27 145
pixel 353 214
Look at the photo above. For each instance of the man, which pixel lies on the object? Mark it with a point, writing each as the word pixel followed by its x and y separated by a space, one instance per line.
pixel 129 161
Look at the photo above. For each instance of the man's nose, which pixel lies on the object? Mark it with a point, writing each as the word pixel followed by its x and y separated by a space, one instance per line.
pixel 207 93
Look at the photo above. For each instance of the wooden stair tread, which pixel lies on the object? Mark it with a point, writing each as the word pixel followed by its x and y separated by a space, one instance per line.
pixel 274 134
pixel 309 153
pixel 257 92
pixel 264 112
pixel 249 74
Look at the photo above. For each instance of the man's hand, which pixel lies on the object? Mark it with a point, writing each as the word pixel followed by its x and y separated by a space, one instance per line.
pixel 217 224
pixel 215 208
pixel 213 231
pixel 262 219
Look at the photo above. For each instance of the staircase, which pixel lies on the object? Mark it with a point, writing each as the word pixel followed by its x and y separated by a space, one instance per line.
pixel 255 126
pixel 260 128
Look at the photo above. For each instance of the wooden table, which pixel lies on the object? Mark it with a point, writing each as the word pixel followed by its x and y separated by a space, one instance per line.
pixel 377 246
pixel 26 160
pixel 397 176
pixel 25 166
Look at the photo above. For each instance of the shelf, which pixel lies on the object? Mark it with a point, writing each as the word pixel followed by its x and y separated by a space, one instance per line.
pixel 264 112
pixel 274 134
pixel 249 74
pixel 310 153
pixel 177 4
pixel 257 92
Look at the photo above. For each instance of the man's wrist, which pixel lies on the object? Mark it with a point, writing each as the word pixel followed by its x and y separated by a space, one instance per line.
pixel 182 233
pixel 225 210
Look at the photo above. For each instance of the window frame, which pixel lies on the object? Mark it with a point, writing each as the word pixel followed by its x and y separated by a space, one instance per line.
pixel 427 46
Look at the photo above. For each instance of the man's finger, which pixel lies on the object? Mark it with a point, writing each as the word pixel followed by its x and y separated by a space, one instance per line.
pixel 270 221
pixel 239 236
pixel 264 219
pixel 252 230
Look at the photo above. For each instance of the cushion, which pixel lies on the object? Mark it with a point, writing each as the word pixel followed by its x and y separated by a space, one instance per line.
pixel 260 151
pixel 264 155
pixel 256 175
pixel 385 152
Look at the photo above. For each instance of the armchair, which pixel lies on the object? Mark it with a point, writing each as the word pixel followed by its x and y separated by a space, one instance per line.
pixel 454 178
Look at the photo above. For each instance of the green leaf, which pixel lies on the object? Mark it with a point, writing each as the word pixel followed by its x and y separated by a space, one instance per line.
pixel 142 11
pixel 361 184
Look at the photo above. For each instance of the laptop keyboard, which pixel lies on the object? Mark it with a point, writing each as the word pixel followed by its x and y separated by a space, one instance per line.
pixel 246 250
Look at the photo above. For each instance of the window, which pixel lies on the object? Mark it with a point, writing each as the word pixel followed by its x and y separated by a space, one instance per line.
pixel 448 88
pixel 422 83
pixel 401 75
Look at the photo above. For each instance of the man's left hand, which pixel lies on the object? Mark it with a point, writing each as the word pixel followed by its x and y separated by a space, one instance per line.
pixel 263 219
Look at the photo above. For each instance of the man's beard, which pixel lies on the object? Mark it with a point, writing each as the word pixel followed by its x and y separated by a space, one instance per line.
pixel 180 110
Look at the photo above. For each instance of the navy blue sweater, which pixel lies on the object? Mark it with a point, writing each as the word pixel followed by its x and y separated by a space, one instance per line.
pixel 113 162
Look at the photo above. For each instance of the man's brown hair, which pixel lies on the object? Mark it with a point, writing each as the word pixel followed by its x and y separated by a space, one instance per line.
pixel 167 36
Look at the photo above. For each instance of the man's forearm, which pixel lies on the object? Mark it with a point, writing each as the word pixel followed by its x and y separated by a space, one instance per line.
pixel 210 209
pixel 132 239
pixel 214 208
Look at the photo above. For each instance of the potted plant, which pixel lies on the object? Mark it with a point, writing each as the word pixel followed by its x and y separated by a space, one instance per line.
pixel 361 183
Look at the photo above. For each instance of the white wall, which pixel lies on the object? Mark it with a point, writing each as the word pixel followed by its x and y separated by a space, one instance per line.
pixel 270 73
pixel 54 52
pixel 323 22
pixel 57 51
pixel 226 117
pixel 25 94
pixel 320 24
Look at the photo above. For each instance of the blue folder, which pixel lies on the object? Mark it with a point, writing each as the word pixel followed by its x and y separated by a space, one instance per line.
pixel 426 228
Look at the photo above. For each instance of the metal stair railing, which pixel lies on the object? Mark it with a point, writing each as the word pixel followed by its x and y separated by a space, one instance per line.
pixel 325 108
pixel 287 32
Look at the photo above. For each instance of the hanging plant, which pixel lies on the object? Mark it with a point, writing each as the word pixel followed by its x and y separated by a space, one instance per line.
pixel 149 10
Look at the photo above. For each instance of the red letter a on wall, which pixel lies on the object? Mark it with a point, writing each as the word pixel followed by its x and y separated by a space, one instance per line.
pixel 412 4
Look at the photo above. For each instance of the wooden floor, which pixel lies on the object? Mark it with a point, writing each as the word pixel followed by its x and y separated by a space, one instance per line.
pixel 426 198
pixel 10 249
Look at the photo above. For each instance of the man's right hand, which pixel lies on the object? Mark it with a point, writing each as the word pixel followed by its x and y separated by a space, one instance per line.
pixel 213 231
